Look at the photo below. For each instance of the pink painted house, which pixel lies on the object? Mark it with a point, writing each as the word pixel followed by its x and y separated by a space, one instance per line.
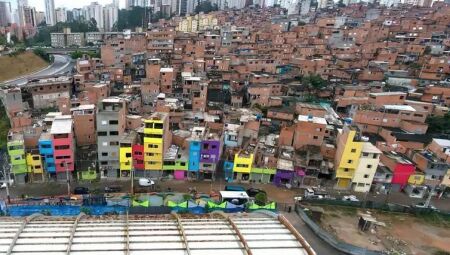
pixel 63 145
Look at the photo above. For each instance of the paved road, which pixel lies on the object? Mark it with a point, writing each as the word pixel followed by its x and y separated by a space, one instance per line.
pixel 62 64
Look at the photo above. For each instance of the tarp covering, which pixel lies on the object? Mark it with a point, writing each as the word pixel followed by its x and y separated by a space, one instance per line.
pixel 141 203
pixel 270 206
pixel 212 205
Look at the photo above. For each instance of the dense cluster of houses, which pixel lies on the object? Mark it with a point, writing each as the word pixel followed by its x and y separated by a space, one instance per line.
pixel 256 96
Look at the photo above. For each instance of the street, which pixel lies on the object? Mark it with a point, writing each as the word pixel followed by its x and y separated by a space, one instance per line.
pixel 61 64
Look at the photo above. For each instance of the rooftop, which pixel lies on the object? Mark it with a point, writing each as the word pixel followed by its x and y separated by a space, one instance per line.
pixel 317 120
pixel 442 142
pixel 62 125
pixel 370 148
pixel 399 107
pixel 388 93
pixel 150 234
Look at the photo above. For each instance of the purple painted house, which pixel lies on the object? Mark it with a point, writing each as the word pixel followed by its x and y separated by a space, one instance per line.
pixel 210 151
pixel 285 172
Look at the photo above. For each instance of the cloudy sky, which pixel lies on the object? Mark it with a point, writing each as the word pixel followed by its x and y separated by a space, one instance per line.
pixel 40 6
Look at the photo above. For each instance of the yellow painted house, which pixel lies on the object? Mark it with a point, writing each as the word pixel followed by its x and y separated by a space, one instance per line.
pixel 347 156
pixel 126 153
pixel 243 162
pixel 154 129
pixel 35 167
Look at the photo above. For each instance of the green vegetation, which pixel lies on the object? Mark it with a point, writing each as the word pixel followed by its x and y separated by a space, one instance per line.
pixel 4 126
pixel 44 55
pixel 42 38
pixel 314 81
pixel 137 17
pixel 439 124
pixel 206 7
pixel 2 40
pixel 261 199
pixel 441 253
pixel 19 64
pixel 78 54
pixel 434 218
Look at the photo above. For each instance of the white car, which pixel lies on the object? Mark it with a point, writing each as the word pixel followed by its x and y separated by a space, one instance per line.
pixel 146 182
pixel 350 198
pixel 422 205
pixel 3 186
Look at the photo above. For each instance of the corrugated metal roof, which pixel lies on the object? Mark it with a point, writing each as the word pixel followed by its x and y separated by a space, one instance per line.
pixel 110 235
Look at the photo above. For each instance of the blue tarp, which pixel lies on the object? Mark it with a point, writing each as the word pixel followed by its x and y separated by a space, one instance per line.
pixel 62 210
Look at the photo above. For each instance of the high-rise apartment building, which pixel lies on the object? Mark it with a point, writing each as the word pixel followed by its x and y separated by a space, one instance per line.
pixel 95 11
pixel 50 15
pixel 30 16
pixel 110 16
pixel 40 17
pixel 5 13
pixel 61 15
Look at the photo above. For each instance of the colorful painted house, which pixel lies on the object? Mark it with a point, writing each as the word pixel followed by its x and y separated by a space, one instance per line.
pixel 35 167
pixel 181 165
pixel 211 148
pixel 156 129
pixel 401 167
pixel 242 165
pixel 138 157
pixel 228 170
pixel 176 162
pixel 63 145
pixel 285 172
pixel 126 143
pixel 262 174
pixel 349 147
pixel 46 151
pixel 16 152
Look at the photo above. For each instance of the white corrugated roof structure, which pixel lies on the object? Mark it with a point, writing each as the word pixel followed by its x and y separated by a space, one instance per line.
pixel 223 234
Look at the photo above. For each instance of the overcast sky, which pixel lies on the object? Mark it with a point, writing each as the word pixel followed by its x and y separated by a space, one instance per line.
pixel 69 4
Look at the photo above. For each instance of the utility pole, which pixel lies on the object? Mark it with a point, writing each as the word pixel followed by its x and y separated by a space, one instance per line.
pixel 67 179
pixel 6 178
pixel 132 179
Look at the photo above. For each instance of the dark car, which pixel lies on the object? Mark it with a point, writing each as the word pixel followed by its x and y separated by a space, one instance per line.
pixel 252 192
pixel 234 188
pixel 113 189
pixel 80 191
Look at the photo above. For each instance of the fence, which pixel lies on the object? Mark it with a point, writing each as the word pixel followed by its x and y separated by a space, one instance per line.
pixel 388 207
pixel 328 238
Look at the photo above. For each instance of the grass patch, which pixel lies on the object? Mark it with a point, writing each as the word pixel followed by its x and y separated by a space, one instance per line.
pixel 434 218
pixel 441 253
pixel 4 126
pixel 24 63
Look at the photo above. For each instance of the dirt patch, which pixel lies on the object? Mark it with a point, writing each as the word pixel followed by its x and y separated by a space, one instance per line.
pixel 15 66
pixel 403 233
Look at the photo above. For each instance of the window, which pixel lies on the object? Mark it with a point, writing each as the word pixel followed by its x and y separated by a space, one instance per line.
pixel 353 150
pixel 153 136
pixel 158 126
pixel 350 161
pixel 104 154
pixel 128 155
pixel 113 122
pixel 113 133
pixel 241 165
pixel 62 147
pixel 361 184
pixel 154 146
pixel 205 146
pixel 102 133
pixel 365 154
pixel 375 156
pixel 103 163
pixel 366 176
pixel 346 170
pixel 113 143
pixel 36 158
pixel 369 166
pixel 213 146
pixel 315 137
pixel 182 163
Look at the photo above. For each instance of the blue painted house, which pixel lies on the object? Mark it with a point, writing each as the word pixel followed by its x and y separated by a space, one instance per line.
pixel 46 151
pixel 228 170
pixel 194 155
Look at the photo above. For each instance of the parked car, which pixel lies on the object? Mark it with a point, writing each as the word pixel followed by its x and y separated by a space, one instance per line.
pixel 3 186
pixel 351 198
pixel 234 188
pixel 112 189
pixel 146 182
pixel 422 205
pixel 80 191
pixel 253 191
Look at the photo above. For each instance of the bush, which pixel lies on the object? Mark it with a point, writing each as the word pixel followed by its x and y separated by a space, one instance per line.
pixel 261 199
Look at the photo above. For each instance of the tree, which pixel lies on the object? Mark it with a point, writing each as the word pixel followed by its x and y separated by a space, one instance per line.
pixel 340 4
pixel 261 199
pixel 439 124
pixel 41 53
pixel 314 81
pixel 206 7
pixel 2 40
